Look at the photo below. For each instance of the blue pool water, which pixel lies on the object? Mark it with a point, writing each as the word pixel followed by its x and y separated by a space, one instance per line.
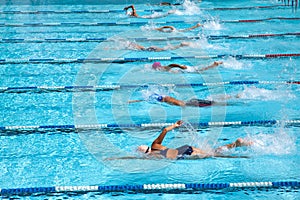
pixel 82 157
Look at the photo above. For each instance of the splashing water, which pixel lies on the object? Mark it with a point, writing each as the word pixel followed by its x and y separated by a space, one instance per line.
pixel 201 44
pixel 265 94
pixel 193 138
pixel 148 27
pixel 191 133
pixel 279 143
pixel 190 8
pixel 232 63
pixel 146 94
pixel 212 25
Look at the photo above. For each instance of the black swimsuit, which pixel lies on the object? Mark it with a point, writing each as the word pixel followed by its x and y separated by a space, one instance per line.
pixel 150 49
pixel 199 103
pixel 182 151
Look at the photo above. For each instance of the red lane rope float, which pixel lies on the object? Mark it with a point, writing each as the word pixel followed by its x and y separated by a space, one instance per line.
pixel 282 55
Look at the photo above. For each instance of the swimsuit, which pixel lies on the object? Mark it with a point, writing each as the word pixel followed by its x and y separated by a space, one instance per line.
pixel 182 151
pixel 199 103
pixel 150 49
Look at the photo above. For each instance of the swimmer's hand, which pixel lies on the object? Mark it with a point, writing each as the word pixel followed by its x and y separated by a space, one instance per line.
pixel 183 67
pixel 178 123
pixel 135 101
pixel 198 25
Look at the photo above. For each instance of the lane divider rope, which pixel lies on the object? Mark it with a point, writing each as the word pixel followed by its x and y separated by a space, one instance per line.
pixel 73 11
pixel 210 37
pixel 101 126
pixel 127 23
pixel 151 187
pixel 140 59
pixel 122 11
pixel 40 89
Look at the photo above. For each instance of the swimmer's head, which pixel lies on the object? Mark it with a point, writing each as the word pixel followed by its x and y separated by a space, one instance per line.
pixel 160 98
pixel 156 97
pixel 144 149
pixel 156 65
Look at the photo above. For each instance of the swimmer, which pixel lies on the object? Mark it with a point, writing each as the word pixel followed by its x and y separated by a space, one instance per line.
pixel 168 29
pixel 172 101
pixel 157 150
pixel 134 14
pixel 169 68
pixel 139 47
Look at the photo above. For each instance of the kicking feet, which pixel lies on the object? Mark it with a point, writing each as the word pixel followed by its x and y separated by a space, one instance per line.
pixel 241 143
pixel 238 143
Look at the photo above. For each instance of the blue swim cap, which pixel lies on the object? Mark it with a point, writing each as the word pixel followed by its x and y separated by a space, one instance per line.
pixel 159 98
pixel 156 97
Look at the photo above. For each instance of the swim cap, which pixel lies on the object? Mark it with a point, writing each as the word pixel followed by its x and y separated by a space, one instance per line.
pixel 159 98
pixel 156 65
pixel 156 97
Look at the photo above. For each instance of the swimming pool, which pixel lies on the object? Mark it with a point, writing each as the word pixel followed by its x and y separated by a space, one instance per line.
pixel 65 108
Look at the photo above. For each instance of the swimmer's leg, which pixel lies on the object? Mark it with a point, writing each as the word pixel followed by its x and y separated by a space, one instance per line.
pixel 238 143
pixel 199 154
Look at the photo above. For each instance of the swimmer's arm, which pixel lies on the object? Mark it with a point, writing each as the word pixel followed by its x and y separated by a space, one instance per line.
pixel 191 28
pixel 135 101
pixel 215 64
pixel 229 156
pixel 178 66
pixel 157 16
pixel 127 7
pixel 126 158
pixel 134 14
pixel 165 27
pixel 157 142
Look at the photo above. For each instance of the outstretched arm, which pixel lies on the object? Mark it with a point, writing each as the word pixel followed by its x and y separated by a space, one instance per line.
pixel 191 28
pixel 135 101
pixel 215 64
pixel 182 44
pixel 157 142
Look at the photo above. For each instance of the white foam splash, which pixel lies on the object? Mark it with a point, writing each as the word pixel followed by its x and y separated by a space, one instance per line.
pixel 148 27
pixel 201 44
pixel 280 143
pixel 265 94
pixel 146 94
pixel 213 25
pixel 232 63
pixel 190 8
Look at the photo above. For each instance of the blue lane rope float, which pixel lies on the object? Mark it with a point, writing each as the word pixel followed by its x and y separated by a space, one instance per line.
pixel 126 23
pixel 40 89
pixel 122 11
pixel 140 59
pixel 147 125
pixel 157 187
pixel 210 37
